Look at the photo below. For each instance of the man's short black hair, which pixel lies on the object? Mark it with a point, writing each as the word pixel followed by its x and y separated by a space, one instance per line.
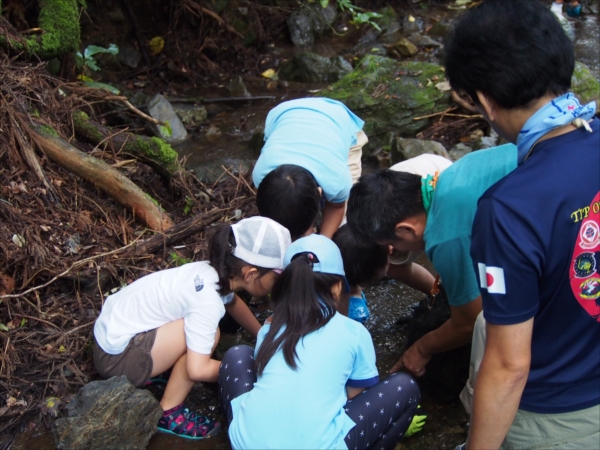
pixel 290 196
pixel 515 51
pixel 363 260
pixel 382 199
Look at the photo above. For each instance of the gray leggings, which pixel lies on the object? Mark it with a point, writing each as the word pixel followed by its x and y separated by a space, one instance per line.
pixel 382 413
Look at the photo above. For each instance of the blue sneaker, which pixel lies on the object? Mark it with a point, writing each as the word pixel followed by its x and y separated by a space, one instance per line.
pixel 357 308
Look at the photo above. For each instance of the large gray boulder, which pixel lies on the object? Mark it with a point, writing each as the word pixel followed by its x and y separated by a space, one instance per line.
pixel 309 67
pixel 403 149
pixel 310 22
pixel 108 414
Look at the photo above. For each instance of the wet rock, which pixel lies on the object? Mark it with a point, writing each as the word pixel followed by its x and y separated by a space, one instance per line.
pixel 446 372
pixel 310 67
pixel 403 149
pixel 310 22
pixel 210 171
pixel 160 109
pixel 257 141
pixel 370 48
pixel 389 24
pixel 108 414
pixel 585 86
pixel 460 150
pixel 421 40
pixel 403 47
pixel 129 56
pixel 440 29
pixel 190 115
pixel 412 24
pixel 387 94
pixel 237 88
pixel 213 134
pixel 116 14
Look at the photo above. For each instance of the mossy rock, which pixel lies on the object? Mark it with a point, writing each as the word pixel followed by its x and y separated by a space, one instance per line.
pixel 585 86
pixel 387 94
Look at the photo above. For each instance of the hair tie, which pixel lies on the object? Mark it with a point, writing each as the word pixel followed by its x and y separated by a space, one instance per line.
pixel 231 248
pixel 310 256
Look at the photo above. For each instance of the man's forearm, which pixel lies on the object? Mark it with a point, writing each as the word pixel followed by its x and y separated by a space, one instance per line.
pixel 447 337
pixel 500 382
pixel 497 394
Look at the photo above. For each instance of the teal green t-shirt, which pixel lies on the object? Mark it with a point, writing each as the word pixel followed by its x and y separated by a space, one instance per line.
pixel 450 218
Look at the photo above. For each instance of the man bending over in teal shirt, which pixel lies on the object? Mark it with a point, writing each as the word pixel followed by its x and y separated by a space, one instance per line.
pixel 411 213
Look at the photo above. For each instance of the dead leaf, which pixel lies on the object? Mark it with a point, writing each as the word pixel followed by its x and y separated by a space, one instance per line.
pixel 7 284
pixel 443 86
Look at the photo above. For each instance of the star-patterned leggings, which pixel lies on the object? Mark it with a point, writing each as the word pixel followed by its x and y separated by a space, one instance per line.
pixel 382 413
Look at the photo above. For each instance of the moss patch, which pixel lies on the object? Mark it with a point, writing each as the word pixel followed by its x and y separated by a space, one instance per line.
pixel 387 94
pixel 48 131
pixel 60 21
pixel 585 86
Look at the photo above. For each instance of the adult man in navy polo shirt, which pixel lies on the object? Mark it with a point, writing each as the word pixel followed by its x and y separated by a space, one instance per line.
pixel 536 235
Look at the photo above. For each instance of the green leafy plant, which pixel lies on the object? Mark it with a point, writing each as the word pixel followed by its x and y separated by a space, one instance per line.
pixel 359 15
pixel 86 63
pixel 179 260
pixel 188 205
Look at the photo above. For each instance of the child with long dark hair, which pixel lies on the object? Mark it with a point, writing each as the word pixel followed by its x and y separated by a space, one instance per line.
pixel 169 319
pixel 300 388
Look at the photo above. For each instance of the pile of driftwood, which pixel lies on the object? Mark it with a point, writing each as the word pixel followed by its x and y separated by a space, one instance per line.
pixel 80 215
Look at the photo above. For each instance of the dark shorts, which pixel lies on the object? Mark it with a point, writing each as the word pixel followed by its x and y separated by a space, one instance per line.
pixel 135 362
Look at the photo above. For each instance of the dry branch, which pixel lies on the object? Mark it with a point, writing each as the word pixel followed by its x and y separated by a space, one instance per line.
pixel 179 232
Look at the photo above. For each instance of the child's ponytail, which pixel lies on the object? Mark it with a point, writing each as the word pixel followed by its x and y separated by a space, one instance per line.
pixel 302 303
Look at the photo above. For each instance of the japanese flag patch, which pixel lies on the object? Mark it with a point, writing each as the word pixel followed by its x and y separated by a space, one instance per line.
pixel 492 279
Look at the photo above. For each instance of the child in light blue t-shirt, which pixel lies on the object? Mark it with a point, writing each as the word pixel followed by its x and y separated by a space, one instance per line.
pixel 312 380
pixel 313 148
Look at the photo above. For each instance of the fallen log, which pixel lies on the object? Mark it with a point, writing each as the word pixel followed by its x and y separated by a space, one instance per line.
pixel 107 178
pixel 150 150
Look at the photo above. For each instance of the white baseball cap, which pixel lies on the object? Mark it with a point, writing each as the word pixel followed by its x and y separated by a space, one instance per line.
pixel 261 241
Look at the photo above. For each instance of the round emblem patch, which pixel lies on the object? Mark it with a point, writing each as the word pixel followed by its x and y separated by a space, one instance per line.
pixel 590 289
pixel 589 234
pixel 584 265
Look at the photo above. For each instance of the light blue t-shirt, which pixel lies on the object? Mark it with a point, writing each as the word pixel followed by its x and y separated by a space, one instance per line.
pixel 304 408
pixel 450 219
pixel 313 133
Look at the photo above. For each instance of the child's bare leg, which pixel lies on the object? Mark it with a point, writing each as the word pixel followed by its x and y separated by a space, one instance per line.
pixel 413 275
pixel 180 384
pixel 169 346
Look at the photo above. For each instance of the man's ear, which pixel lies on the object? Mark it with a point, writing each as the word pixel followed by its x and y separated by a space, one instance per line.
pixel 249 273
pixel 405 228
pixel 488 105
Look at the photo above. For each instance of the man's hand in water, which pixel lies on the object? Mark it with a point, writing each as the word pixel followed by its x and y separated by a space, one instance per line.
pixel 412 361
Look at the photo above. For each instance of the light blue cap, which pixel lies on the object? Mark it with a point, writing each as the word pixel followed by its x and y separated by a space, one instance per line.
pixel 328 254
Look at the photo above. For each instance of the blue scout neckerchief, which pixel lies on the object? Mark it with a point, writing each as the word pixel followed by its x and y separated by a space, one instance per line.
pixel 557 113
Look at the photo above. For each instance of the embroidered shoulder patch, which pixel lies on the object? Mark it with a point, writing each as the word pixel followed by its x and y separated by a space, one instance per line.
pixel 583 272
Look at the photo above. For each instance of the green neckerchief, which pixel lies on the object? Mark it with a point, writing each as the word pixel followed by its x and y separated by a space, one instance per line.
pixel 427 190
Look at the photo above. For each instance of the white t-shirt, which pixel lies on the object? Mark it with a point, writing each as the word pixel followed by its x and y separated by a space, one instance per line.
pixel 188 292
pixel 422 165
